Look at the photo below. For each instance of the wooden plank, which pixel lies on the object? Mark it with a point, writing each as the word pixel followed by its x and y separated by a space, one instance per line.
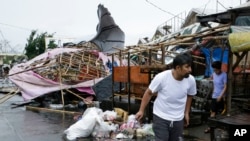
pixel 137 77
pixel 121 74
pixel 8 96
pixel 149 68
pixel 50 110
pixel 125 95
pixel 138 89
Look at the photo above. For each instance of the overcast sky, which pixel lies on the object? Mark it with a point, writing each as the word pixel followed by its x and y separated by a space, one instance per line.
pixel 77 19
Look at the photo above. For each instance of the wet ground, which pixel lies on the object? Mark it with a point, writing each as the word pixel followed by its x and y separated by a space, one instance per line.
pixel 19 124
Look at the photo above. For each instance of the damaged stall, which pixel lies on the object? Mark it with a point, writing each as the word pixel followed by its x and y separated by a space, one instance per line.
pixel 204 43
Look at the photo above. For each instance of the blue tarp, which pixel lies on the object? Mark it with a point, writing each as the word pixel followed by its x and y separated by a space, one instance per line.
pixel 214 54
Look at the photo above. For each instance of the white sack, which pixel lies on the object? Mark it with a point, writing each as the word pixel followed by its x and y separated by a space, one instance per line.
pixel 85 126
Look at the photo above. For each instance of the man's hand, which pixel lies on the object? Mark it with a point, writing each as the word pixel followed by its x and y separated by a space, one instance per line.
pixel 186 122
pixel 219 98
pixel 139 115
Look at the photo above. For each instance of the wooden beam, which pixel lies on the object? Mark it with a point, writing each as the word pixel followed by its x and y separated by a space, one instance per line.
pixel 32 108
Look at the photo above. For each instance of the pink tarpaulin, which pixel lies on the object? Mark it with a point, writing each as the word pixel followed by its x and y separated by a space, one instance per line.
pixel 33 85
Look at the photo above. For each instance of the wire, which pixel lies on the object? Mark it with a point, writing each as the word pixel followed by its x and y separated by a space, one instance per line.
pixel 10 47
pixel 160 8
pixel 221 4
pixel 205 7
pixel 2 35
pixel 23 28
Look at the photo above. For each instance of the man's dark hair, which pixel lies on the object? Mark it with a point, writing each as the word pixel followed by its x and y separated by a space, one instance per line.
pixel 182 59
pixel 216 64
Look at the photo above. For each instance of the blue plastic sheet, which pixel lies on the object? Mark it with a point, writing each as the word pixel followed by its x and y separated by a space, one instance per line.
pixel 214 54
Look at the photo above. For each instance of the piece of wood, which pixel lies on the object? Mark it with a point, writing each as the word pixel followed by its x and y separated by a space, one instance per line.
pixel 137 77
pixel 125 95
pixel 51 110
pixel 148 68
pixel 121 74
pixel 75 94
pixel 8 96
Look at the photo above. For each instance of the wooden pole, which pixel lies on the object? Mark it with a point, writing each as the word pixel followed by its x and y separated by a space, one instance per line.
pixel 50 110
pixel 113 83
pixel 229 82
pixel 31 69
pixel 129 83
pixel 60 79
pixel 75 94
pixel 8 96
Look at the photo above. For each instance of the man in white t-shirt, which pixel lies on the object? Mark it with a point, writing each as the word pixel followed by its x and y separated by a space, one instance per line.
pixel 174 89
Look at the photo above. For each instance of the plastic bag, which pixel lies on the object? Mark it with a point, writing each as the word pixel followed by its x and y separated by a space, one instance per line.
pixel 103 129
pixel 239 41
pixel 85 126
pixel 109 115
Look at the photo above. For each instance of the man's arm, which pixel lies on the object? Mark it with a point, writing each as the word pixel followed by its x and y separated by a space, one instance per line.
pixel 224 88
pixel 187 109
pixel 144 102
pixel 223 92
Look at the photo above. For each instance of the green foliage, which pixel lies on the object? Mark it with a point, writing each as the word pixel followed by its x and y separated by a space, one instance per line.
pixel 8 59
pixel 36 44
pixel 52 44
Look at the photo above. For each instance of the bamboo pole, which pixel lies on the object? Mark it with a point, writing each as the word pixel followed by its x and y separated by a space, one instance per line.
pixel 78 57
pixel 60 80
pixel 196 62
pixel 198 57
pixel 94 67
pixel 70 62
pixel 8 96
pixel 215 37
pixel 75 61
pixel 214 28
pixel 229 83
pixel 212 32
pixel 180 40
pixel 75 94
pixel 83 99
pixel 51 110
pixel 156 61
pixel 30 69
pixel 42 61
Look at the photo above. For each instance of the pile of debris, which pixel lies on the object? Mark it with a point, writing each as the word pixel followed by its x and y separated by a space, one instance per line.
pixel 95 123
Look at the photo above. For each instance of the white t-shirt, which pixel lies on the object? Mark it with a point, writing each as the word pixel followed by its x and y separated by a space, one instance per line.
pixel 171 95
